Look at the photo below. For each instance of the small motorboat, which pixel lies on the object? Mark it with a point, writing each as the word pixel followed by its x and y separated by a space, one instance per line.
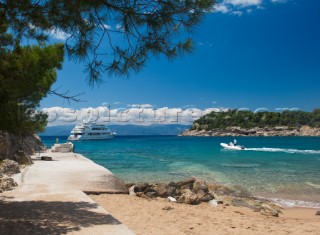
pixel 231 146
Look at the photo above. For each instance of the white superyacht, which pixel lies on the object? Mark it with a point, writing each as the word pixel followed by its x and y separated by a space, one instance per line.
pixel 91 131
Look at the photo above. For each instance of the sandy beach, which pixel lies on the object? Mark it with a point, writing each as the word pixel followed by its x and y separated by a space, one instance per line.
pixel 159 216
pixel 58 187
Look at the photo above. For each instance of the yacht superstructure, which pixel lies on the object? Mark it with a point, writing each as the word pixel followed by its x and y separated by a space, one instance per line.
pixel 91 131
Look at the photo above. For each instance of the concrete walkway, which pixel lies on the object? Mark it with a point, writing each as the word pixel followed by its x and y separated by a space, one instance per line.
pixel 50 198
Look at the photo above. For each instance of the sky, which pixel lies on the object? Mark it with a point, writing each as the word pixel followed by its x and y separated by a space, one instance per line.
pixel 250 54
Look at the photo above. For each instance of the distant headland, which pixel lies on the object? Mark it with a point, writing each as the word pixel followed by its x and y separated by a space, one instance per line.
pixel 247 123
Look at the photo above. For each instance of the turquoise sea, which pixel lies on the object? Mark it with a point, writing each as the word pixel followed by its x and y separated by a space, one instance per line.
pixel 285 169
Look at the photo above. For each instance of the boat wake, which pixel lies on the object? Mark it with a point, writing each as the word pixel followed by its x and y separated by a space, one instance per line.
pixel 284 150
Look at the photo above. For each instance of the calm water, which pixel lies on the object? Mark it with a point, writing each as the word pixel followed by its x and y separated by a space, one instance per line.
pixel 285 168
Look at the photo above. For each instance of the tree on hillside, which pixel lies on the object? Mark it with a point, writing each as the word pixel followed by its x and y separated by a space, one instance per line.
pixel 113 36
pixel 315 119
pixel 26 75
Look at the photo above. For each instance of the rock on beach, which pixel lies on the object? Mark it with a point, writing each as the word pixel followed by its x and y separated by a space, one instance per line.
pixel 194 191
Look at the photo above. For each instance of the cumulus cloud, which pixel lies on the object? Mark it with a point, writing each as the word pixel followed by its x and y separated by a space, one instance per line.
pixel 238 7
pixel 133 115
pixel 223 8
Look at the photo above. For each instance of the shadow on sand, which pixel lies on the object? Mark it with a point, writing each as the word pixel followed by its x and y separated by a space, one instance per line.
pixel 40 217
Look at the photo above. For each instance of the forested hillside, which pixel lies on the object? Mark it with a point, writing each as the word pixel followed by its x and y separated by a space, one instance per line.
pixel 249 119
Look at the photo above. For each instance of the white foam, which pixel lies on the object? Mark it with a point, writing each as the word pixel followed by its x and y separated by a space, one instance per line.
pixel 295 203
pixel 284 150
pixel 313 185
pixel 241 165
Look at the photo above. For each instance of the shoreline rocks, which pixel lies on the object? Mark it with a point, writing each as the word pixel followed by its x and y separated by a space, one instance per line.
pixel 14 150
pixel 191 191
pixel 7 169
pixel 257 131
pixel 194 191
pixel 19 147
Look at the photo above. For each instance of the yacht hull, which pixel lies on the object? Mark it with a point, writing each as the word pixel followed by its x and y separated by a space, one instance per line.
pixel 78 138
pixel 227 146
pixel 91 131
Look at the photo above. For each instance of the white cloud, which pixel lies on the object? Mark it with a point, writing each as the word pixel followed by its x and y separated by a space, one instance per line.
pixel 120 28
pixel 239 13
pixel 59 34
pixel 105 104
pixel 244 3
pixel 146 106
pixel 140 105
pixel 238 7
pixel 106 26
pixel 249 10
pixel 55 33
pixel 278 1
pixel 223 8
pixel 136 115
